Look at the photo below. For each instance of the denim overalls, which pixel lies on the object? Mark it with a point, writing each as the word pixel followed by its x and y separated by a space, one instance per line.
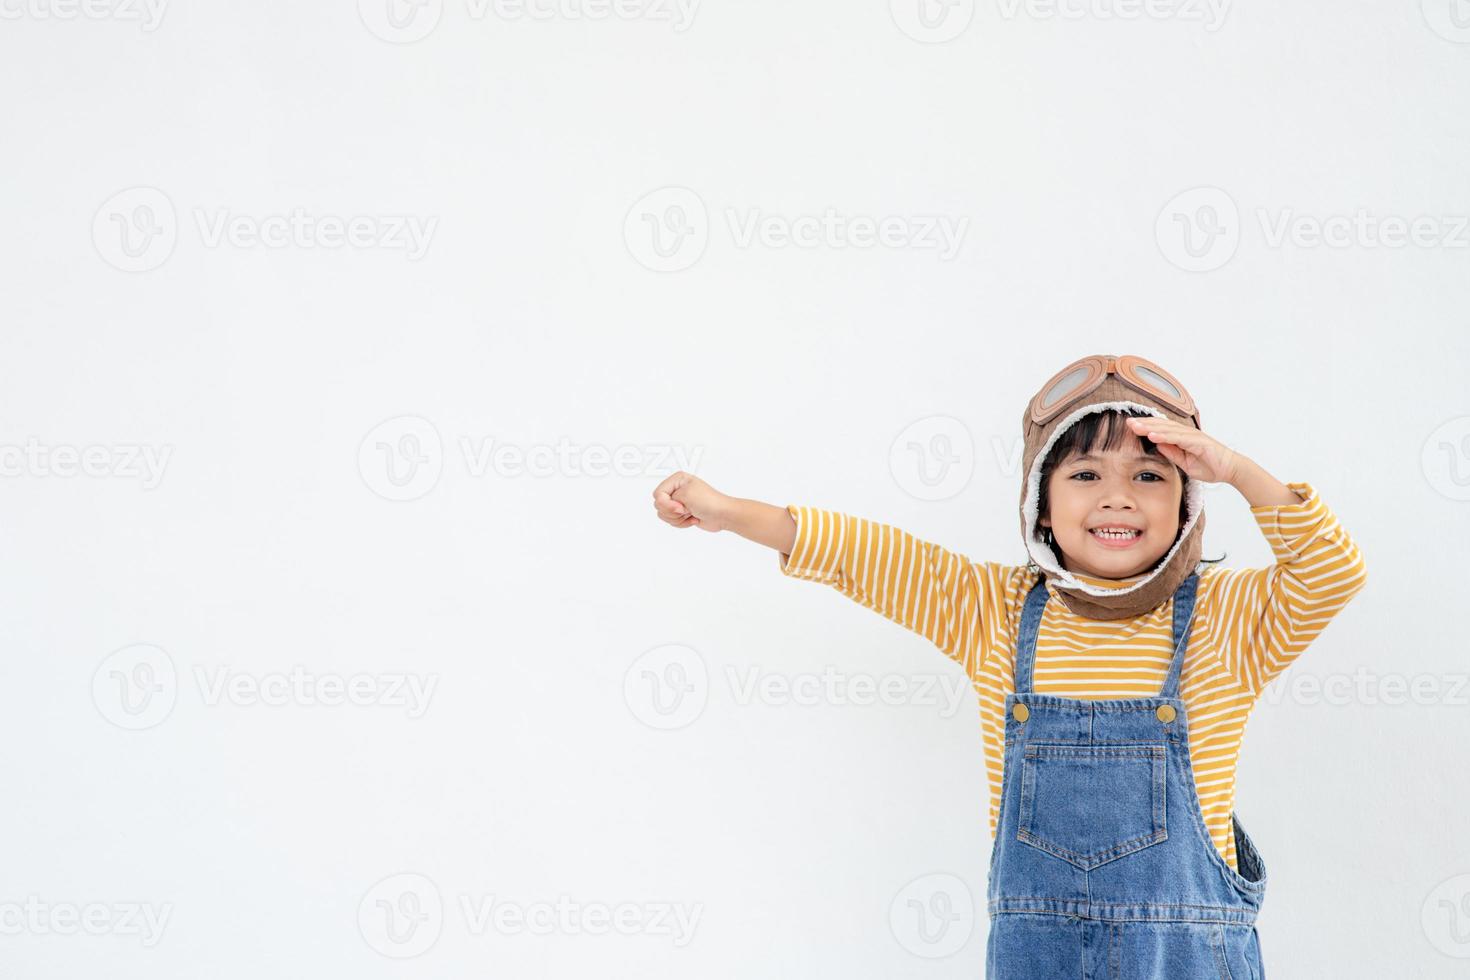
pixel 1102 867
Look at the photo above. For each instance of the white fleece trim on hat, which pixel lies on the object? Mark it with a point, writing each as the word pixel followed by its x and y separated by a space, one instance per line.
pixel 1045 558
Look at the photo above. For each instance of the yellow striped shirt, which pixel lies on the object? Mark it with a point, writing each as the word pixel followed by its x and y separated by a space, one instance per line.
pixel 1249 625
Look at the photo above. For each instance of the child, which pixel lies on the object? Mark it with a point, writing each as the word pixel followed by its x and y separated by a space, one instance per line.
pixel 1112 717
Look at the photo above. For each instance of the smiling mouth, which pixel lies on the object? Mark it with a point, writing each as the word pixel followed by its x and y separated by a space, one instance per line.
pixel 1115 538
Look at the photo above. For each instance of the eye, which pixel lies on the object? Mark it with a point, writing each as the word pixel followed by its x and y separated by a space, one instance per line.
pixel 1153 477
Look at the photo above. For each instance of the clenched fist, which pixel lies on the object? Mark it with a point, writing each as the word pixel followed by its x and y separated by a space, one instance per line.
pixel 684 500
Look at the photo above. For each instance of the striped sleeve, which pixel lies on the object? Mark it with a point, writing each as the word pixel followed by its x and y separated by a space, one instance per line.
pixel 1261 619
pixel 921 586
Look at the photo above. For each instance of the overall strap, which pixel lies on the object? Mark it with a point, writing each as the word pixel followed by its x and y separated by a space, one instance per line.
pixel 1183 617
pixel 1031 610
pixel 1026 638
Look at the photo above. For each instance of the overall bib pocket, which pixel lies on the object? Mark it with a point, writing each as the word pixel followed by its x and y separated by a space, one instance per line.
pixel 1092 803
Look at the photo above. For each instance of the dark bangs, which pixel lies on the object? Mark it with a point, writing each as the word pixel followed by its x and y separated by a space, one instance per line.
pixel 1097 431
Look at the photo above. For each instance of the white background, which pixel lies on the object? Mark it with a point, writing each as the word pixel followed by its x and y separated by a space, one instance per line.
pixel 537 315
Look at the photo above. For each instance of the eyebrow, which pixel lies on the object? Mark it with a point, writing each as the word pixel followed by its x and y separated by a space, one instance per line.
pixel 1087 457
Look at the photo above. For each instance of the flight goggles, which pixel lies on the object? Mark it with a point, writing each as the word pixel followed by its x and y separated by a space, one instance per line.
pixel 1080 377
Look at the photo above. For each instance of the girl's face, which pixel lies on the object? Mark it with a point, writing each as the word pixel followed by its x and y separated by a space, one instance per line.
pixel 1123 488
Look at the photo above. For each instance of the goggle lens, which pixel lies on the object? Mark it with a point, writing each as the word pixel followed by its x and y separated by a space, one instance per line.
pixel 1158 382
pixel 1068 384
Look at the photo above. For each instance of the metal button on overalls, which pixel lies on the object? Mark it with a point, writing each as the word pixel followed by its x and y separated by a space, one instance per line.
pixel 1102 865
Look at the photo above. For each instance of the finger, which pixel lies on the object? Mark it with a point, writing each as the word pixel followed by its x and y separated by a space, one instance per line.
pixel 1173 455
pixel 663 502
pixel 665 498
pixel 669 484
pixel 1145 427
pixel 1175 433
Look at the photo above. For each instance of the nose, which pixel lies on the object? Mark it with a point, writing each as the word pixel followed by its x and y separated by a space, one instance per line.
pixel 1117 494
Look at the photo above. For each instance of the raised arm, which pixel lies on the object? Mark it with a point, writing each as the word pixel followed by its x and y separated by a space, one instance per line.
pixel 936 593
pixel 1261 619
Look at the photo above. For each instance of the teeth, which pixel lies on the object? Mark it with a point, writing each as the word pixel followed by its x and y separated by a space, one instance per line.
pixel 1116 535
